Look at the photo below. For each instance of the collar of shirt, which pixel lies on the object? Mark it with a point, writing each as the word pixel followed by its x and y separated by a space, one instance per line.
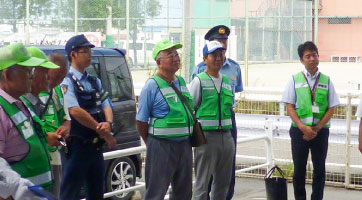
pixel 7 97
pixel 307 74
pixel 79 75
pixel 226 62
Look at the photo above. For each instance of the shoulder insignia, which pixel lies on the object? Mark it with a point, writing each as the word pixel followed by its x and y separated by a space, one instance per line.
pixel 64 88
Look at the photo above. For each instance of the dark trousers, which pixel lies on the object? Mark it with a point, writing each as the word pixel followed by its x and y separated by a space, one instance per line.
pixel 300 151
pixel 234 133
pixel 84 166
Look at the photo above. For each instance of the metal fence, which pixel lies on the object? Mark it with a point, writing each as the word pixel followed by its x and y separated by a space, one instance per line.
pixel 262 31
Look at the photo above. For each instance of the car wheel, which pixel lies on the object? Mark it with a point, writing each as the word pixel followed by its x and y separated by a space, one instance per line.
pixel 121 175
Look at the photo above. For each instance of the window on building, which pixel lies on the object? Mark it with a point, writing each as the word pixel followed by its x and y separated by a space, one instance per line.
pixel 345 20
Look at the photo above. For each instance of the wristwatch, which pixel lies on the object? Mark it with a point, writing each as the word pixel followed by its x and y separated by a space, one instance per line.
pixel 111 124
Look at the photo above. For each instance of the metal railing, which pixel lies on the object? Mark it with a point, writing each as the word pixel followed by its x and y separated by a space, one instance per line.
pixel 137 150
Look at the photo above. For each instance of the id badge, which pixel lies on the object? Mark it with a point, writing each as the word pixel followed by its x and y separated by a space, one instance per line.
pixel 315 109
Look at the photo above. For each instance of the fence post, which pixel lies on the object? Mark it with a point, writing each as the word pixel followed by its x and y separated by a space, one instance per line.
pixel 269 133
pixel 348 140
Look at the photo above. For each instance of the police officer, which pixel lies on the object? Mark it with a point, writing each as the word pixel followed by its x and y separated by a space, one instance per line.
pixel 213 100
pixel 311 99
pixel 91 123
pixel 232 70
pixel 165 125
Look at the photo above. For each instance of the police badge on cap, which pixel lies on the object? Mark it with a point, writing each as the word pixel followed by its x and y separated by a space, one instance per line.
pixel 218 32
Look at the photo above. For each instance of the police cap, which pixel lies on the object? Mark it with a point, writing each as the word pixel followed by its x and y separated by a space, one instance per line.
pixel 218 32
pixel 77 41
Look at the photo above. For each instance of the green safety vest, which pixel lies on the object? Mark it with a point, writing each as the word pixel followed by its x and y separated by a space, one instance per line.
pixel 54 115
pixel 35 166
pixel 214 112
pixel 178 122
pixel 304 99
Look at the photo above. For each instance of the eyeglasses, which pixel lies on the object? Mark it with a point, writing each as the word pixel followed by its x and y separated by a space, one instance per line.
pixel 27 69
pixel 172 55
pixel 86 51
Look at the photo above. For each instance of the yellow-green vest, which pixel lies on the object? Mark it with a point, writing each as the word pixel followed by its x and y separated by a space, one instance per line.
pixel 178 122
pixel 304 99
pixel 214 112
pixel 35 166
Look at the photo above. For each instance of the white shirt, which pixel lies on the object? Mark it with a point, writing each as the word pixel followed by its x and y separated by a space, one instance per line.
pixel 195 88
pixel 289 96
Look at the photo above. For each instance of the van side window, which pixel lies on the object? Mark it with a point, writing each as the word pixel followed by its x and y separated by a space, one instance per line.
pixel 119 77
pixel 94 68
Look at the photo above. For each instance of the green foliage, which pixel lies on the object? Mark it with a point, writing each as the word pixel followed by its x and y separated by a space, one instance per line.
pixel 12 10
pixel 287 169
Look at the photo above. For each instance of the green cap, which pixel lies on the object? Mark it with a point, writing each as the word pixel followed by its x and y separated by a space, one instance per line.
pixel 38 53
pixel 17 54
pixel 163 45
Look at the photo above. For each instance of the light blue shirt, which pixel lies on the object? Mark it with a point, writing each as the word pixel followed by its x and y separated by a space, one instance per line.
pixel 69 95
pixel 151 102
pixel 289 95
pixel 230 68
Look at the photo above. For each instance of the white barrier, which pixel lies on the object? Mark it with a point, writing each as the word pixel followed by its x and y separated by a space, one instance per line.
pixel 141 149
pixel 269 150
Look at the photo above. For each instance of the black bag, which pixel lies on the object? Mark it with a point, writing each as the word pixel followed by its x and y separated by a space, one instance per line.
pixel 276 187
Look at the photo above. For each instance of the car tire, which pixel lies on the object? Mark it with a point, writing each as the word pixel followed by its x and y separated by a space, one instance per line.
pixel 121 174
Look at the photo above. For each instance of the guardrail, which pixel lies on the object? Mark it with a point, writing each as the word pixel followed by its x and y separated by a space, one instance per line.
pixel 141 149
pixel 269 150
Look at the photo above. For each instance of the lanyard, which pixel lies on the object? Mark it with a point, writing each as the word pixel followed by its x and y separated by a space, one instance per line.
pixel 312 90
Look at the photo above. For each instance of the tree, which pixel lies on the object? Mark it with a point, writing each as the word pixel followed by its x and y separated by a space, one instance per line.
pixel 98 9
pixel 13 10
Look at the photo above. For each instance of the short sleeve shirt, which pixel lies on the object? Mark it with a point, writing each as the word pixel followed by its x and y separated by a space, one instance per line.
pixel 70 98
pixel 289 96
pixel 151 102
pixel 230 68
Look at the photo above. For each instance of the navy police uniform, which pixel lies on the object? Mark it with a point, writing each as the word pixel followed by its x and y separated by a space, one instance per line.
pixel 84 165
pixel 232 70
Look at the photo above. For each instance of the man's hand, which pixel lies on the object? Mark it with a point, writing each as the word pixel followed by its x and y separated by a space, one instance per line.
pixel 111 141
pixel 308 133
pixel 53 139
pixel 63 131
pixel 103 129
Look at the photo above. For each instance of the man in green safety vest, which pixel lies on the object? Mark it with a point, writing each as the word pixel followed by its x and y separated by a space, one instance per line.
pixel 49 110
pixel 213 100
pixel 23 144
pixel 57 115
pixel 165 124
pixel 310 98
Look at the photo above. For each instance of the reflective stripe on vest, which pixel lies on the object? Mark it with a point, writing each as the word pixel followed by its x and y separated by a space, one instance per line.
pixel 36 161
pixel 178 122
pixel 41 178
pixel 304 99
pixel 169 131
pixel 225 122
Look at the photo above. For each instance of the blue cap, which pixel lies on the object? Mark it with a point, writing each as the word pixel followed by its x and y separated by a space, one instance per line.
pixel 212 46
pixel 218 32
pixel 77 41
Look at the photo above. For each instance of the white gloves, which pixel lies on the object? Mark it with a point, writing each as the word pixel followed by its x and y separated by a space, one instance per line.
pixel 11 184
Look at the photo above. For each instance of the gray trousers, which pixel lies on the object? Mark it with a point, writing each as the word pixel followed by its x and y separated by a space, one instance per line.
pixel 56 168
pixel 168 162
pixel 214 159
